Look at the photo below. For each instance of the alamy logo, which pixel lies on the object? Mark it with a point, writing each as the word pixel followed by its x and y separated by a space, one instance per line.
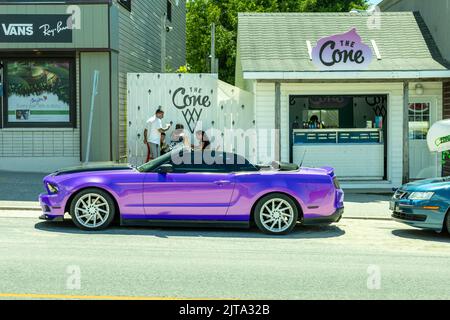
pixel 18 29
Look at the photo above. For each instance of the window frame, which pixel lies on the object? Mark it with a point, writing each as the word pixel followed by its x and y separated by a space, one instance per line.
pixel 126 4
pixel 169 10
pixel 72 87
pixel 414 114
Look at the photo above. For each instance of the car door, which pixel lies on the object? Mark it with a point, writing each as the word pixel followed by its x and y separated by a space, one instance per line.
pixel 190 192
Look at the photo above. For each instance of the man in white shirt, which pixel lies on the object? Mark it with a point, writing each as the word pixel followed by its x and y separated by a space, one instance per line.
pixel 156 128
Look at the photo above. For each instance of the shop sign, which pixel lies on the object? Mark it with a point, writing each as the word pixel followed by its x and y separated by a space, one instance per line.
pixel 344 51
pixel 48 28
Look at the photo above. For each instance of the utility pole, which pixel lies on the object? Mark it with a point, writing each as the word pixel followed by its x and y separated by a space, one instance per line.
pixel 163 42
pixel 214 64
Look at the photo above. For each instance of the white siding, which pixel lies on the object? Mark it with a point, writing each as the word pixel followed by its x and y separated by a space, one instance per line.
pixel 265 120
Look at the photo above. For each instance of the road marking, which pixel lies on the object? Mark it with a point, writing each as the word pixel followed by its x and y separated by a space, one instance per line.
pixel 81 297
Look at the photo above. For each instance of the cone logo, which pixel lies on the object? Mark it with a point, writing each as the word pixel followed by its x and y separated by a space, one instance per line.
pixel 191 102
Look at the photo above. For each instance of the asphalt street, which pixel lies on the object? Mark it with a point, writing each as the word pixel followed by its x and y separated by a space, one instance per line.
pixel 355 259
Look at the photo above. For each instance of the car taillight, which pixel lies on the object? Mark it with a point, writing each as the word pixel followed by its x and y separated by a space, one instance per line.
pixel 336 183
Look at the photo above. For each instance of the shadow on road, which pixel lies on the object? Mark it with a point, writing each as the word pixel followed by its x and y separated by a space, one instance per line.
pixel 300 232
pixel 427 235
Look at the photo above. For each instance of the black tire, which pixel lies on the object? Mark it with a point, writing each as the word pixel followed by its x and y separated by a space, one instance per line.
pixel 287 216
pixel 78 210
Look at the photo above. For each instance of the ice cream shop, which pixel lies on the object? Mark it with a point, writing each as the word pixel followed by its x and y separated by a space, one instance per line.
pixel 356 91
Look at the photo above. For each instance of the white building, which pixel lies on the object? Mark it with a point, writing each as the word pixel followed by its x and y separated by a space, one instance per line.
pixel 371 83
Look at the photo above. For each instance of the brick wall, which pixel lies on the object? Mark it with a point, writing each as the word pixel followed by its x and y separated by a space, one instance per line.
pixel 446 104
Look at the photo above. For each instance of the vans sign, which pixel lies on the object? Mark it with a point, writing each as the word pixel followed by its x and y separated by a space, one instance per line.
pixel 37 28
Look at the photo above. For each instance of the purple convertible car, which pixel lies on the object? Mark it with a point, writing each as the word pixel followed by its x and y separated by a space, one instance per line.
pixel 169 192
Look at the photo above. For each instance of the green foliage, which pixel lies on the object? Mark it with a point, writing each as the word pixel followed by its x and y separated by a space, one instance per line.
pixel 27 78
pixel 224 13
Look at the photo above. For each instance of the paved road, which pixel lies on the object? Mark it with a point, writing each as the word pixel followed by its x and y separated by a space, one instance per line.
pixel 312 263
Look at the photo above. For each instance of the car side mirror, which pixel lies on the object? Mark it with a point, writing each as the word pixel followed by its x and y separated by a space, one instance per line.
pixel 165 168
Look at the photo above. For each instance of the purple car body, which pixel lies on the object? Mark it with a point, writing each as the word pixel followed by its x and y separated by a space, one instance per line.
pixel 223 197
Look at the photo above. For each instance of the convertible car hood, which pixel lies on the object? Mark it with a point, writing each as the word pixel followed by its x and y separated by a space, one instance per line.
pixel 81 169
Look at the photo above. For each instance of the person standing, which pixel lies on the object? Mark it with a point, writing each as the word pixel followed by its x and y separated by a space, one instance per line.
pixel 156 128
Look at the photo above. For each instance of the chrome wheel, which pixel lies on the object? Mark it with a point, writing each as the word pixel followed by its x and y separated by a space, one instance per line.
pixel 277 215
pixel 92 210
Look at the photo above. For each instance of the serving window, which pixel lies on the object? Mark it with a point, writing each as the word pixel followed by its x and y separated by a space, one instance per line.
pixel 39 92
pixel 346 132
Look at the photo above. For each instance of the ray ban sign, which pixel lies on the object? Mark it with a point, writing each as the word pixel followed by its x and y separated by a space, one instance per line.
pixel 28 28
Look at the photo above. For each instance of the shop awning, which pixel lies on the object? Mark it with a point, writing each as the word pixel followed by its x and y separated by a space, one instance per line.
pixel 439 136
pixel 279 45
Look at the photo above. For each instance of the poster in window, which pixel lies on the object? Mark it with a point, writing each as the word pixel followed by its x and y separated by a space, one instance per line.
pixel 38 91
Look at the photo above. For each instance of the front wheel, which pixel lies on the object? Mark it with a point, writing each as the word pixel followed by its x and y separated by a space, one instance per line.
pixel 276 214
pixel 92 210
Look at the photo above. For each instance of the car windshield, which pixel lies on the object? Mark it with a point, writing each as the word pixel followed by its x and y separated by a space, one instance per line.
pixel 155 163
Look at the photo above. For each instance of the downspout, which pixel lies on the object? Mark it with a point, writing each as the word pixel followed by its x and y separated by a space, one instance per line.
pixel 277 121
pixel 405 132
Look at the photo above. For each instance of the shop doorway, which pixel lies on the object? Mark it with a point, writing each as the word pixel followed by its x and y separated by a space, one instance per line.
pixel 422 163
pixel 347 132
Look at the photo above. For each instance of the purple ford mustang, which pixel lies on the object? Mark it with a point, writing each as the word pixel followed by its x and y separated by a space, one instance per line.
pixel 166 191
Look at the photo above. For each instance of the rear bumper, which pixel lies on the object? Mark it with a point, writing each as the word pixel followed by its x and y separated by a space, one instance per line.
pixel 335 217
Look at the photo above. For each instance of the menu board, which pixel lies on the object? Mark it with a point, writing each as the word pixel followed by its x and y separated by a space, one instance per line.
pixel 315 137
pixel 359 137
pixel 340 137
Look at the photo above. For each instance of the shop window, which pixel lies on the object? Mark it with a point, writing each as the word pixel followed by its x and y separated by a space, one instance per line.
pixel 39 92
pixel 169 10
pixel 419 120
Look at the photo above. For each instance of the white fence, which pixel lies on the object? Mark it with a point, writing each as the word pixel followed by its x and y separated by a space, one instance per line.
pixel 197 101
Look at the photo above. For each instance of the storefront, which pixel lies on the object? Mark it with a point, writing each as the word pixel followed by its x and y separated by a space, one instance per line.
pixel 353 91
pixel 48 54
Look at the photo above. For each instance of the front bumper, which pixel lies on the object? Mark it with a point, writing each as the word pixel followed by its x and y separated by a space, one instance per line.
pixel 335 217
pixel 413 214
pixel 52 207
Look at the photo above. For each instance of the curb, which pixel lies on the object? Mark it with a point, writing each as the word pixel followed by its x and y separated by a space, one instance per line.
pixel 20 209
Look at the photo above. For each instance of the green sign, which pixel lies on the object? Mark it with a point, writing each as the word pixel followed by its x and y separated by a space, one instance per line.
pixel 442 140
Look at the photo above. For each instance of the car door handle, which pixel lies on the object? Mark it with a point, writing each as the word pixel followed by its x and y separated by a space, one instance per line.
pixel 222 182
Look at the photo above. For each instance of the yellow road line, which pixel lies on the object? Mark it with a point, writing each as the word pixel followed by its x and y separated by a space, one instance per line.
pixel 81 297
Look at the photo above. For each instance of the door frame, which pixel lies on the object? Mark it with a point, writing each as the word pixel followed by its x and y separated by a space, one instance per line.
pixel 434 117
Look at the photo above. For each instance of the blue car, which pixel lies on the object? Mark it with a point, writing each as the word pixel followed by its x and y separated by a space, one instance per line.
pixel 423 204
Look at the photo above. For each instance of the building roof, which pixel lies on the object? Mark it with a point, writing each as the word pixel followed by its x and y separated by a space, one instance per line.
pixel 277 42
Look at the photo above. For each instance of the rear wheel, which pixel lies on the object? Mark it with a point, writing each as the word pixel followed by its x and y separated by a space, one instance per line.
pixel 92 210
pixel 276 214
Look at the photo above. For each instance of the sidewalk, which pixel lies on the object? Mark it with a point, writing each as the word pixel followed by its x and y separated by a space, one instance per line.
pixel 20 191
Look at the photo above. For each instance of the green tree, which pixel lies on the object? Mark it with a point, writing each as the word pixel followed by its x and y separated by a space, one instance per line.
pixel 224 13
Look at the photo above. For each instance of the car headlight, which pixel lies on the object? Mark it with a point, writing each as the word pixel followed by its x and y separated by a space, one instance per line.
pixel 52 188
pixel 421 195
